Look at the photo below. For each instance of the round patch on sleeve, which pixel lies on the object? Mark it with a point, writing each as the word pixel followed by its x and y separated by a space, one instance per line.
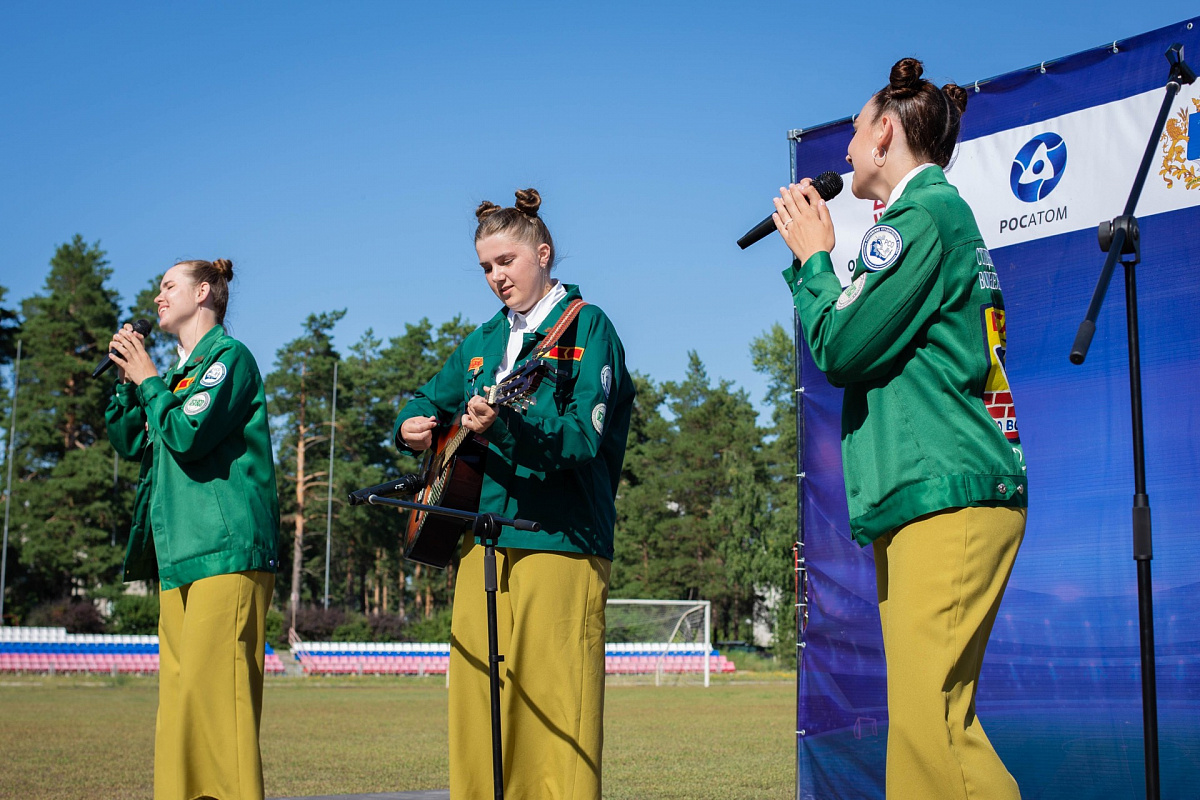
pixel 214 375
pixel 196 403
pixel 598 418
pixel 851 292
pixel 881 247
pixel 606 379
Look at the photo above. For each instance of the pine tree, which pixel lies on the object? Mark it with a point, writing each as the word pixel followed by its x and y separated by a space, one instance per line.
pixel 70 520
pixel 300 390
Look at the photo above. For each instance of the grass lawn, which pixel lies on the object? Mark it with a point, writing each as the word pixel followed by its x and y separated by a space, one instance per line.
pixel 88 737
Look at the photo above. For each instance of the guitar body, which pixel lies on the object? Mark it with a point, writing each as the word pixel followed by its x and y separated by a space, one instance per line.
pixel 452 473
pixel 453 478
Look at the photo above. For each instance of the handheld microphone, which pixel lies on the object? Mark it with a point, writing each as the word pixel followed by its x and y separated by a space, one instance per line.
pixel 405 484
pixel 827 184
pixel 140 326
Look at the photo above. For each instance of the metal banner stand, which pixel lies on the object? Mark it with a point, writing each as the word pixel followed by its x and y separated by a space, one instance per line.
pixel 486 527
pixel 1120 237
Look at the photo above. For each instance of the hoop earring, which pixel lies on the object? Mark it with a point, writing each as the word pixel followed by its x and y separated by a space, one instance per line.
pixel 879 156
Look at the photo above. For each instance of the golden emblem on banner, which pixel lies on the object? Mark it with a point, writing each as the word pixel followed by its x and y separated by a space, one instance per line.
pixel 1175 164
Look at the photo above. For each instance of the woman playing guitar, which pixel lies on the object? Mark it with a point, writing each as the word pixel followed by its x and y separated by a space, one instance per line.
pixel 558 463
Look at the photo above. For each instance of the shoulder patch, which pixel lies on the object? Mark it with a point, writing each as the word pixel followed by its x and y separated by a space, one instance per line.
pixel 183 385
pixel 606 380
pixel 598 417
pixel 214 375
pixel 881 247
pixel 197 403
pixel 565 353
pixel 851 292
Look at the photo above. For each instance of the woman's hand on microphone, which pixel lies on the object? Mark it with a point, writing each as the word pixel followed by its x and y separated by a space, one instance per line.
pixel 802 219
pixel 130 356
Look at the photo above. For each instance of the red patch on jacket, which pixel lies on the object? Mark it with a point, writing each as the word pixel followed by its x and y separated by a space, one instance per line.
pixel 183 384
pixel 476 364
pixel 566 353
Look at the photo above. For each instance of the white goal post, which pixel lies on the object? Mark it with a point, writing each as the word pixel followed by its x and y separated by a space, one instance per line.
pixel 661 629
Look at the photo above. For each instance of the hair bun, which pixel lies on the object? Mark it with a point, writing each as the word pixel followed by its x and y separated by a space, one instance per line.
pixel 528 201
pixel 905 78
pixel 225 267
pixel 485 210
pixel 956 95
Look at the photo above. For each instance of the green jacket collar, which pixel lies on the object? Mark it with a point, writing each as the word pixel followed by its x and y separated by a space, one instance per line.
pixel 929 176
pixel 200 351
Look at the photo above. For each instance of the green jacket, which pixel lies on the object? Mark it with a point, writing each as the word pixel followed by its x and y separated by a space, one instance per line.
pixel 917 339
pixel 559 462
pixel 206 498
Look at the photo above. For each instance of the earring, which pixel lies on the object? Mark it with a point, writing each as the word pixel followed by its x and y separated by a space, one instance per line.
pixel 879 157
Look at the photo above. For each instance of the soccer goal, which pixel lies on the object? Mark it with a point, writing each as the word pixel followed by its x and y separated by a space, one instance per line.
pixel 671 639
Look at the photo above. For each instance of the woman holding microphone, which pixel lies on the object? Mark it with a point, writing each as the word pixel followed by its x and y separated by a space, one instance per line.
pixel 206 527
pixel 935 474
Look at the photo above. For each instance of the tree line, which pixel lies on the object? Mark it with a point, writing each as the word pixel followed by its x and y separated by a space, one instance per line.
pixel 706 507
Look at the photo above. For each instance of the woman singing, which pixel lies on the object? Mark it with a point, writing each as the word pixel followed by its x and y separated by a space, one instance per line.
pixel 935 476
pixel 558 463
pixel 206 527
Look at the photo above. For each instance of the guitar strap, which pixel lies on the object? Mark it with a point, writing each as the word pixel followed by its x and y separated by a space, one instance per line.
pixel 547 345
pixel 560 327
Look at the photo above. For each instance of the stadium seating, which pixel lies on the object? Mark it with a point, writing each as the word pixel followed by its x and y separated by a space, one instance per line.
pixel 409 658
pixel 53 650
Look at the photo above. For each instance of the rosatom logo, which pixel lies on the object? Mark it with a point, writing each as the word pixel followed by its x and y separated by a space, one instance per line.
pixel 1038 167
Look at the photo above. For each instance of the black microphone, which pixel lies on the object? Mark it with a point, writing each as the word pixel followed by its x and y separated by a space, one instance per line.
pixel 140 326
pixel 405 484
pixel 827 184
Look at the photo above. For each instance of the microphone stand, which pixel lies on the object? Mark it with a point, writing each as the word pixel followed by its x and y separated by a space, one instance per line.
pixel 1121 238
pixel 487 528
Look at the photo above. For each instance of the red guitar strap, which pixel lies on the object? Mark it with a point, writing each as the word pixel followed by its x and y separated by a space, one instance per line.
pixel 560 327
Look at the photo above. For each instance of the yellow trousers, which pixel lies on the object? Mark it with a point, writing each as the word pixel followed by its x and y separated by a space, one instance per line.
pixel 940 581
pixel 550 624
pixel 210 680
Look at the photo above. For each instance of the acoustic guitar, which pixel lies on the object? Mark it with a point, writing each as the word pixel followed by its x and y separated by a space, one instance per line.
pixel 452 472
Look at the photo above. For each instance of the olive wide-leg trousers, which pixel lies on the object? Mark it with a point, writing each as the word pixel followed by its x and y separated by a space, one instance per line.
pixel 210 678
pixel 550 624
pixel 940 580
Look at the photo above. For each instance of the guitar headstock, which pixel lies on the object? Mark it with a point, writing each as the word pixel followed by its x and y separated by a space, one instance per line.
pixel 517 389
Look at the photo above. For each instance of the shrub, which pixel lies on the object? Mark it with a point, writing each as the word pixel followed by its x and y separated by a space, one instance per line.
pixel 135 615
pixel 317 624
pixel 276 630
pixel 433 629
pixel 75 614
pixel 388 628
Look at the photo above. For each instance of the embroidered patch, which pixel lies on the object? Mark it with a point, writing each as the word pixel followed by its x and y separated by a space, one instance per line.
pixel 196 403
pixel 183 384
pixel 851 292
pixel 214 375
pixel 598 417
pixel 476 364
pixel 566 353
pixel 881 247
pixel 606 380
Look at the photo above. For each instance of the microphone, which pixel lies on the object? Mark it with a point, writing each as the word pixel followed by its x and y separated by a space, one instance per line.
pixel 827 184
pixel 405 484
pixel 140 326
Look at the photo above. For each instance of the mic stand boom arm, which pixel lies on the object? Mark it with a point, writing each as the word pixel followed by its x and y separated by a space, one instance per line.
pixel 1121 237
pixel 487 528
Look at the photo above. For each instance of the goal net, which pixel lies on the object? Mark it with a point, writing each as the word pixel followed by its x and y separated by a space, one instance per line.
pixel 669 639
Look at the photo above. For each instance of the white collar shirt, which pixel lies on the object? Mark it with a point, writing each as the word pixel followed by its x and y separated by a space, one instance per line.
pixel 527 323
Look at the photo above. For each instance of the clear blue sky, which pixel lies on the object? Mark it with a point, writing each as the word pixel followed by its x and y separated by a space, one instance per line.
pixel 336 152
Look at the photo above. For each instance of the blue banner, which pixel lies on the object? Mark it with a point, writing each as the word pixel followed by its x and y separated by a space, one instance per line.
pixel 1046 154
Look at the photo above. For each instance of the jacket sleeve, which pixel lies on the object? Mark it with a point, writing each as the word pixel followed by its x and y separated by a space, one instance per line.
pixel 126 422
pixel 440 397
pixel 856 333
pixel 191 425
pixel 563 441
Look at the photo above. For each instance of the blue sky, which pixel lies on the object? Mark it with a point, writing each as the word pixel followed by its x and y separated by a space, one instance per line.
pixel 336 152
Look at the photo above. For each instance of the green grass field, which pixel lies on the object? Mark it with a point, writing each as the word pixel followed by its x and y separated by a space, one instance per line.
pixel 87 737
